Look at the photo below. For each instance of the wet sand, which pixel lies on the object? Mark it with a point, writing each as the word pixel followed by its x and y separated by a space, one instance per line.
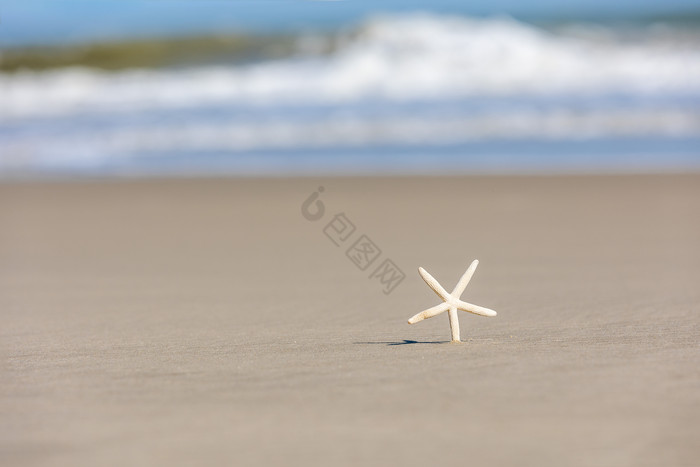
pixel 190 322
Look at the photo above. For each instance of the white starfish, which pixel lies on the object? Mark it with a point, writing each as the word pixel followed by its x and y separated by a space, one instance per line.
pixel 452 302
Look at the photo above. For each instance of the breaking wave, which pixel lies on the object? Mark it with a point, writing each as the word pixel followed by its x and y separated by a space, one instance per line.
pixel 411 79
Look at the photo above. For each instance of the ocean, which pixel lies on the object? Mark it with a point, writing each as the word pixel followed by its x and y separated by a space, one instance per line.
pixel 396 93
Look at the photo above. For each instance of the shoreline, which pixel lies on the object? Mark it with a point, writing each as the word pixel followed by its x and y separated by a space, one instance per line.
pixel 207 177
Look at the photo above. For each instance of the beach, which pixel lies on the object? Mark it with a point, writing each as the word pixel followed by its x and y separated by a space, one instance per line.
pixel 209 321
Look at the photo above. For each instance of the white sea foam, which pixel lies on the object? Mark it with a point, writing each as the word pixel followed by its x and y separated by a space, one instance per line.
pixel 397 58
pixel 416 79
pixel 100 146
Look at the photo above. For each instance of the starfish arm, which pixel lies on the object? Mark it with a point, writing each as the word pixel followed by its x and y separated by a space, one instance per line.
pixel 464 281
pixel 429 313
pixel 433 284
pixel 454 324
pixel 476 309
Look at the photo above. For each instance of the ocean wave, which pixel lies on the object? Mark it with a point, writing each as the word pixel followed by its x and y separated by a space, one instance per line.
pixel 411 57
pixel 410 81
pixel 95 146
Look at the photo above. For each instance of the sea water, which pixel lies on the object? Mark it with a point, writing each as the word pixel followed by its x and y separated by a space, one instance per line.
pixel 395 94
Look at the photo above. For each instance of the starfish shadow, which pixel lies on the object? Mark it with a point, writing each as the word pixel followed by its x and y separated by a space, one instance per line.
pixel 403 342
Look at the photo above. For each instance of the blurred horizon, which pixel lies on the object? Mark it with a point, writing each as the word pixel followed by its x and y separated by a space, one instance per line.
pixel 309 87
pixel 51 22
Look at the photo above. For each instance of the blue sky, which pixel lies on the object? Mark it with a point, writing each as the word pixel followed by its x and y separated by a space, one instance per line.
pixel 46 21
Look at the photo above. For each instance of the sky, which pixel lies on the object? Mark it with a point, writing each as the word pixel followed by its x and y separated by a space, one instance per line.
pixel 51 21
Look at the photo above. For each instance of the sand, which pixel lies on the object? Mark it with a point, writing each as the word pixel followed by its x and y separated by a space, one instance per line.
pixel 200 322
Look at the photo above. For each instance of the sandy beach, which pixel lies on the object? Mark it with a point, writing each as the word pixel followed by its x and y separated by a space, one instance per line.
pixel 208 322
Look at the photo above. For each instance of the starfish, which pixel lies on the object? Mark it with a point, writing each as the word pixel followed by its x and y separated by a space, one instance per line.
pixel 451 302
